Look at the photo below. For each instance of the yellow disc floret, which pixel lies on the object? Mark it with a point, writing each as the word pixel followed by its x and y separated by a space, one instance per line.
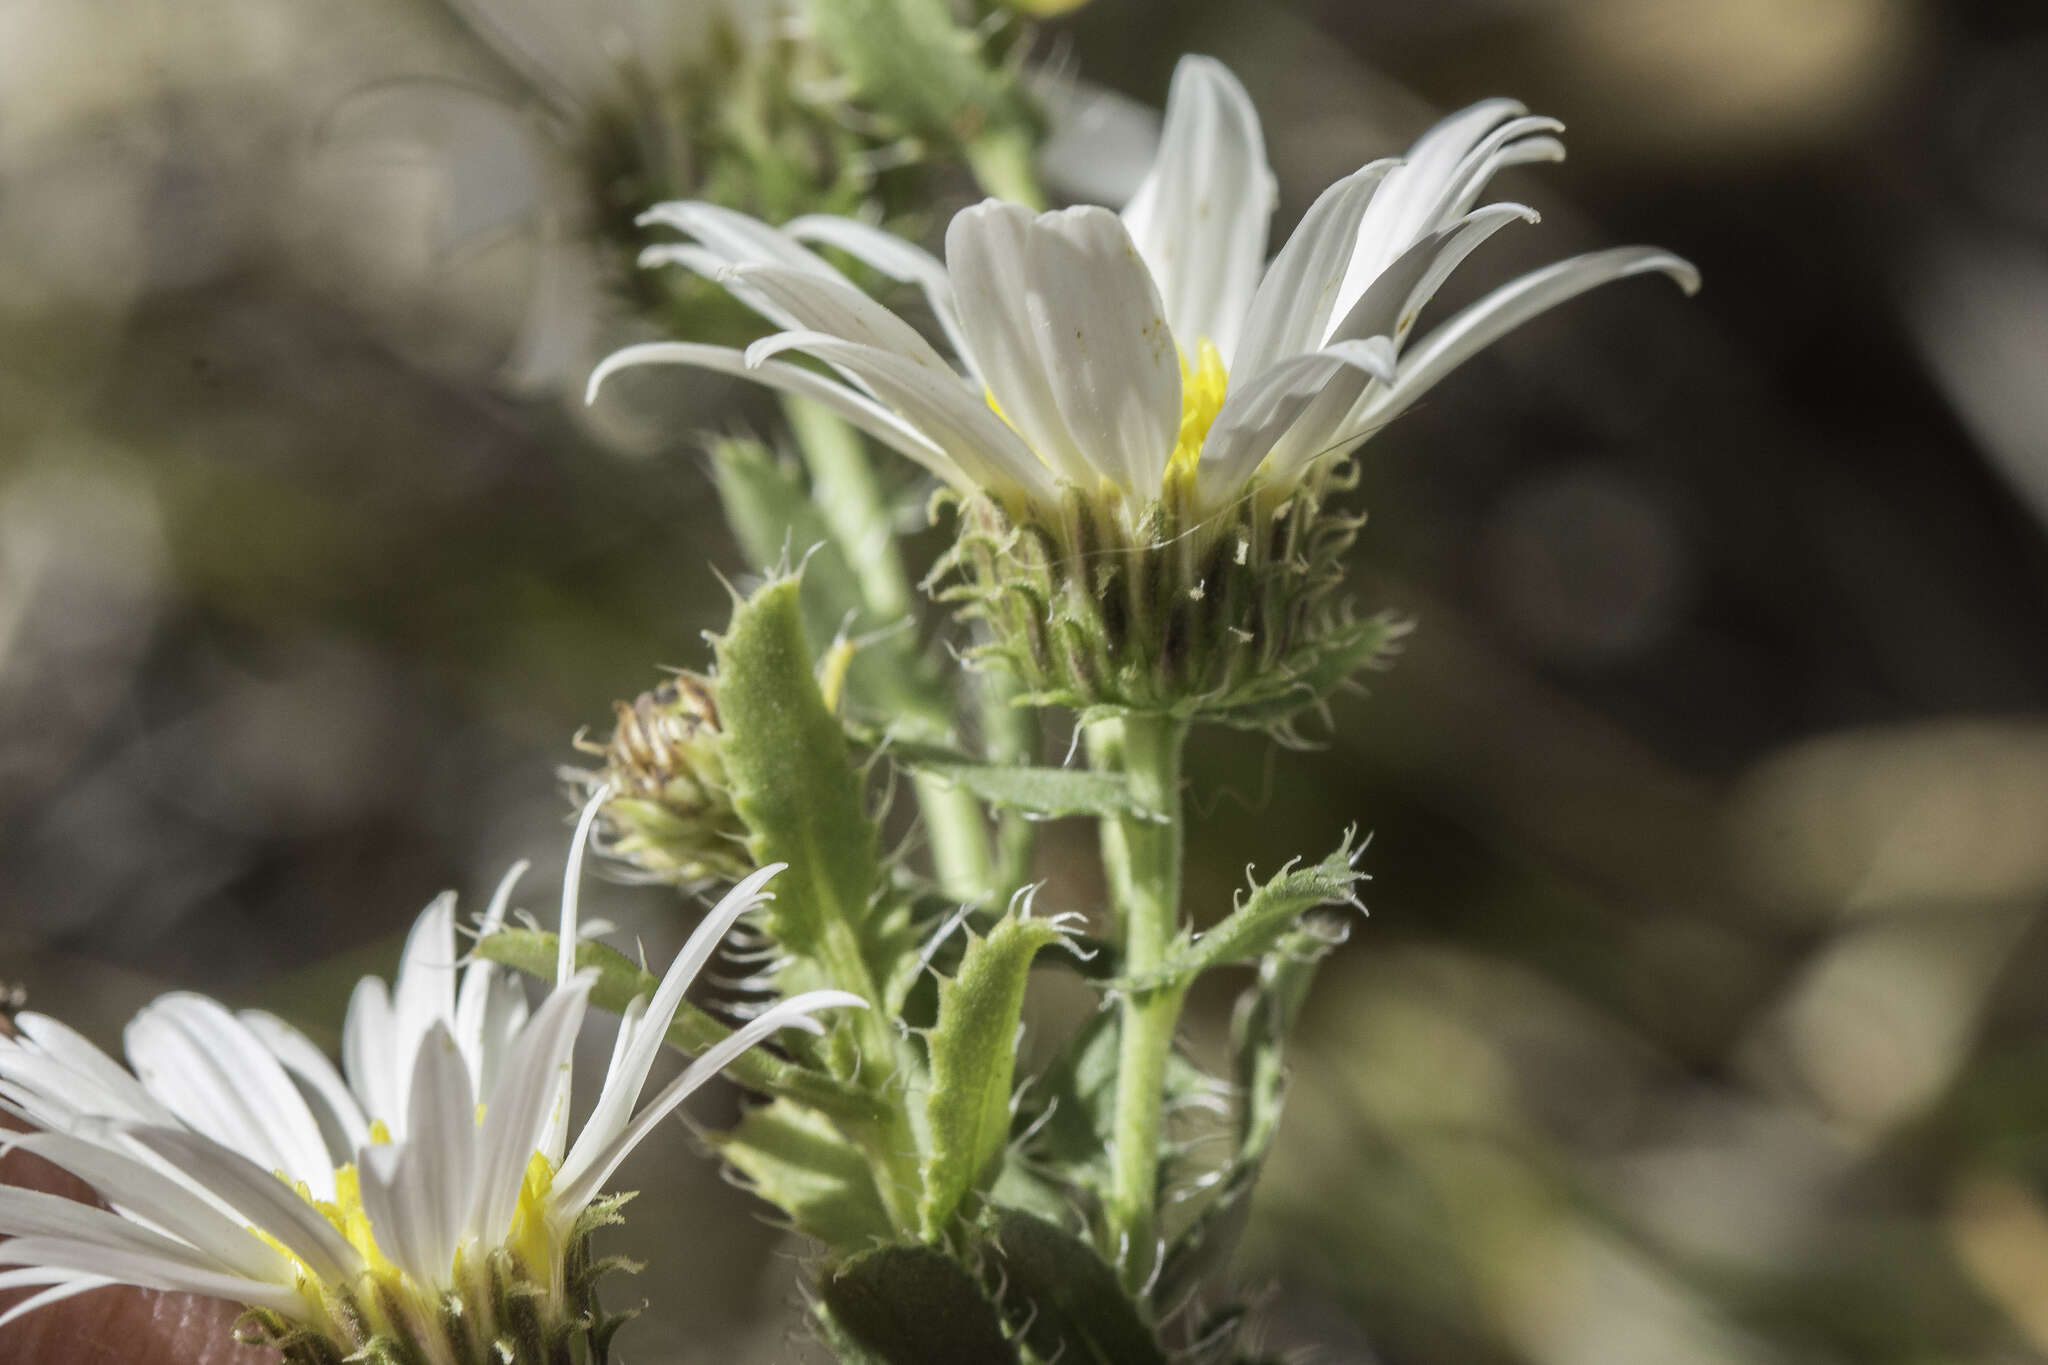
pixel 1202 385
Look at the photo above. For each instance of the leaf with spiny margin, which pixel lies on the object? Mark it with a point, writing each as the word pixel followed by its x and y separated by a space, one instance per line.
pixel 1045 793
pixel 793 783
pixel 1061 1297
pixel 1264 1018
pixel 911 1305
pixel 620 981
pixel 1260 921
pixel 776 519
pixel 799 1162
pixel 973 1060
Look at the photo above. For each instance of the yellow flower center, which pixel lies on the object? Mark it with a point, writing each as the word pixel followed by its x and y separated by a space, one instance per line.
pixel 1202 386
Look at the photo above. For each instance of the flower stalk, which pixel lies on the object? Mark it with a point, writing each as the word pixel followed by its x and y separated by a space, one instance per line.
pixel 1142 855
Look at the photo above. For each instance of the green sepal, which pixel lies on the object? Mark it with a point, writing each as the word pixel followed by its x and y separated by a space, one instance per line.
pixel 973 1050
pixel 1061 1297
pixel 911 1305
pixel 796 1160
pixel 620 981
pixel 793 782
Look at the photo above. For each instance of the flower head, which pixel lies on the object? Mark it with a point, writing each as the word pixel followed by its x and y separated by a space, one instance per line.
pixel 425 1200
pixel 670 812
pixel 1141 394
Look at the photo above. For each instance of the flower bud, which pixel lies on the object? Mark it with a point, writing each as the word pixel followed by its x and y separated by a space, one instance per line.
pixel 671 814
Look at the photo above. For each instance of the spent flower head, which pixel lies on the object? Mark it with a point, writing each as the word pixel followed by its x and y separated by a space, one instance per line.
pixel 1141 414
pixel 424 1203
pixel 669 813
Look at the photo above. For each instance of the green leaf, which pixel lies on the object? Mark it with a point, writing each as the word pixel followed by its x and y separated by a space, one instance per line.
pixel 912 1305
pixel 799 1162
pixel 973 1048
pixel 793 782
pixel 1258 922
pixel 1264 1019
pixel 619 981
pixel 1048 793
pixel 1062 1298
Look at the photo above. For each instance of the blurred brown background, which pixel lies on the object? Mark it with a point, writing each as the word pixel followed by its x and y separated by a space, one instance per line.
pixel 1697 1018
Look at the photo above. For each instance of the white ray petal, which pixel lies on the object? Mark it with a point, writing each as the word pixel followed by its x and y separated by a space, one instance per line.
pixel 367 1050
pixel 521 1107
pixel 739 238
pixel 148 1193
pixel 260 1197
pixel 1412 197
pixel 985 250
pixel 862 411
pixel 712 266
pixel 70 1287
pixel 1255 415
pixel 795 1011
pixel 1292 308
pixel 148 1272
pixel 309 1065
pixel 1201 215
pixel 423 992
pixel 892 256
pixel 641 1037
pixel 76 1053
pixel 1517 142
pixel 1117 380
pixel 206 1067
pixel 489 1004
pixel 834 306
pixel 417 1193
pixel 32 1213
pixel 1388 307
pixel 986 451
pixel 1508 307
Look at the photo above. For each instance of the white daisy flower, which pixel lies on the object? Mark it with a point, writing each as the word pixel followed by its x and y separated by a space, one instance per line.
pixel 1140 413
pixel 425 1196
pixel 1098 351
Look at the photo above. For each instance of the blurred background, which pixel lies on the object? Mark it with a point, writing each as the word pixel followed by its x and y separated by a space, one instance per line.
pixel 1698 1018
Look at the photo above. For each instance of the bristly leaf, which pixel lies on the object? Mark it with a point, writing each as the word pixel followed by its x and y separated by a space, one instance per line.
pixel 1062 1298
pixel 911 1305
pixel 1260 921
pixel 1045 793
pixel 1263 1020
pixel 793 782
pixel 619 981
pixel 797 1161
pixel 973 1060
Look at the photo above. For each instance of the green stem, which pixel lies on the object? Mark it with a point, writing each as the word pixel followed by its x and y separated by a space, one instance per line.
pixel 844 487
pixel 1143 860
pixel 1009 736
pixel 886 1068
pixel 1004 160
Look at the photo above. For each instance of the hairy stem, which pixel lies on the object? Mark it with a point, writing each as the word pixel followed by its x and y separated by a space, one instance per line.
pixel 1142 856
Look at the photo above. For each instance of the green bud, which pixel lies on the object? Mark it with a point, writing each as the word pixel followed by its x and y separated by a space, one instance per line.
pixel 1233 615
pixel 671 813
